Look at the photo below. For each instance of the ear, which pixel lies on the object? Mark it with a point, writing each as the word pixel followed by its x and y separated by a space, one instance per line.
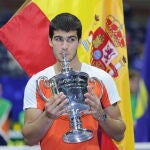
pixel 50 42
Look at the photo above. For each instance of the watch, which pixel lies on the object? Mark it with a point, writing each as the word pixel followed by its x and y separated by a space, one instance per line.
pixel 103 117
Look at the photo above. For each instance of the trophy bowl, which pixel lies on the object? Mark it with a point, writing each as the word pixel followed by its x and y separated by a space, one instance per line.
pixel 74 86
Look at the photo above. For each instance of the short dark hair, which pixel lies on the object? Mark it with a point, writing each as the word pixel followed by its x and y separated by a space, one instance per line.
pixel 65 22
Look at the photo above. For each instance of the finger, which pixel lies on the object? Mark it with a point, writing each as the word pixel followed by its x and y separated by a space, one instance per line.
pixel 90 89
pixel 61 105
pixel 90 95
pixel 64 110
pixel 58 99
pixel 87 112
pixel 91 102
pixel 54 112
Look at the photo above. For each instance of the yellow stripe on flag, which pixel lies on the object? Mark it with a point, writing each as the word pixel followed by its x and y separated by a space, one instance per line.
pixel 103 45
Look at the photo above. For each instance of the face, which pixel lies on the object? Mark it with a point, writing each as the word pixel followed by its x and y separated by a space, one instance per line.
pixel 64 43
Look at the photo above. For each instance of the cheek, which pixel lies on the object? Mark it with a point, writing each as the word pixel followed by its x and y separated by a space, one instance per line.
pixel 74 47
pixel 56 48
pixel 55 51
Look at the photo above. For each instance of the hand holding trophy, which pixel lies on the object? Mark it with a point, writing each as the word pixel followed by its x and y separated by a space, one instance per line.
pixel 74 86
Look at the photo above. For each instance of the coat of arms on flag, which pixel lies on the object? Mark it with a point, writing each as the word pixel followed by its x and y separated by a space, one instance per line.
pixel 104 53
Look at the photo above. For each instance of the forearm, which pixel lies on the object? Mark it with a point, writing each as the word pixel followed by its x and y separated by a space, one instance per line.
pixel 34 131
pixel 115 128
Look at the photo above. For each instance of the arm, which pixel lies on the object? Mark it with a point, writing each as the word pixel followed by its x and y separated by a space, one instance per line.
pixel 113 124
pixel 38 122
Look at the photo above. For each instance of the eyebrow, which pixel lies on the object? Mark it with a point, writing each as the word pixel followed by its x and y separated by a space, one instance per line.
pixel 65 37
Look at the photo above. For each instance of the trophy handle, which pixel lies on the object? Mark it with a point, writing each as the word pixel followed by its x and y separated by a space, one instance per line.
pixel 47 84
pixel 94 80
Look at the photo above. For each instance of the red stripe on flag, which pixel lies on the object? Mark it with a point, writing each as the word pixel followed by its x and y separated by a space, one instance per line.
pixel 26 37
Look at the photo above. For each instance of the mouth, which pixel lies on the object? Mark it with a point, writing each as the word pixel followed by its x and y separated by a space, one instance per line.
pixel 63 57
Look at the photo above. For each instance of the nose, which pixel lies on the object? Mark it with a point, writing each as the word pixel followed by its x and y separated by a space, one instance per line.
pixel 64 45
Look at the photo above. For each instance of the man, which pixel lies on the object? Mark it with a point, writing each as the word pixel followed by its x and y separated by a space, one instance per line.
pixel 46 122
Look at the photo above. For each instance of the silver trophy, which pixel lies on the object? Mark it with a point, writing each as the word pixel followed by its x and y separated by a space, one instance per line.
pixel 74 86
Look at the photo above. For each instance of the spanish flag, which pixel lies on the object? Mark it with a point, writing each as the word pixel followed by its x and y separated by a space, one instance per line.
pixel 103 43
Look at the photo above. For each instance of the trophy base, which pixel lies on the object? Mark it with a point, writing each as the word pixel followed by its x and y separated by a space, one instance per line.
pixel 77 135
